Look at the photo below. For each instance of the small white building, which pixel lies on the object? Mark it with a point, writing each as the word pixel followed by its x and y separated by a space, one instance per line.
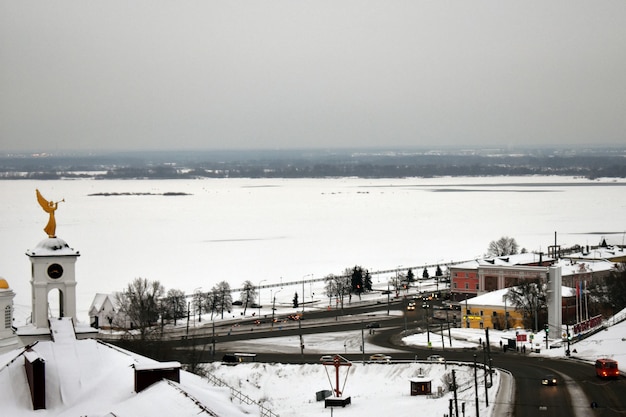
pixel 102 311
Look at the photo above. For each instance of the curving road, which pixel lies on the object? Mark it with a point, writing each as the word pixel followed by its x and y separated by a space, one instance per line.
pixel 577 386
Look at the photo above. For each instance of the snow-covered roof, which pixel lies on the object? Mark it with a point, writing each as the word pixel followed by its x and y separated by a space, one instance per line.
pixel 52 246
pixel 600 253
pixel 496 298
pixel 573 267
pixel 98 302
pixel 520 259
pixel 97 379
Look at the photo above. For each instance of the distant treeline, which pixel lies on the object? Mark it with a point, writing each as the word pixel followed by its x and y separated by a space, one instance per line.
pixel 316 164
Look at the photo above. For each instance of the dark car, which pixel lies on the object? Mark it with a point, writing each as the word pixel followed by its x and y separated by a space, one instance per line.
pixel 373 325
pixel 549 380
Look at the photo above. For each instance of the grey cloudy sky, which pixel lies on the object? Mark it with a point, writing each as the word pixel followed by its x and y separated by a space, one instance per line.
pixel 155 74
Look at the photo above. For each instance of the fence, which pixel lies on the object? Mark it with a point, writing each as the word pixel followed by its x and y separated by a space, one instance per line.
pixel 238 395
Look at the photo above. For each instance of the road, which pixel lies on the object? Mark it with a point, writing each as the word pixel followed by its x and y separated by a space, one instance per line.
pixel 577 386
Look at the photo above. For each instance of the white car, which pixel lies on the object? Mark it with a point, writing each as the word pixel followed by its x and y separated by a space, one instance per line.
pixel 380 357
pixel 435 358
pixel 327 358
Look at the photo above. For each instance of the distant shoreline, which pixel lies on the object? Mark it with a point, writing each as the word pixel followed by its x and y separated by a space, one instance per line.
pixel 167 194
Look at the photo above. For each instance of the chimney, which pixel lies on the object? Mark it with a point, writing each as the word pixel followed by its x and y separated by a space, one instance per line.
pixel 36 374
pixel 149 373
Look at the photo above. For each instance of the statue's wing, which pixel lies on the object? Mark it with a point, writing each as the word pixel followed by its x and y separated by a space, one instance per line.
pixel 43 202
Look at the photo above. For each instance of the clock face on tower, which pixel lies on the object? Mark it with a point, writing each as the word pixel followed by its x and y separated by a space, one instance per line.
pixel 55 271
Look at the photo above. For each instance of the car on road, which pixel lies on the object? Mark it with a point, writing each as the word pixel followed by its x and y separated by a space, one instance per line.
pixel 380 357
pixel 410 306
pixel 373 325
pixel 549 380
pixel 327 358
pixel 435 358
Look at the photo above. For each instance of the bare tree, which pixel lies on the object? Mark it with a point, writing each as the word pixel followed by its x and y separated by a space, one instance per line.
pixel 139 302
pixel 247 295
pixel 224 300
pixel 174 305
pixel 529 297
pixel 198 302
pixel 338 286
pixel 502 247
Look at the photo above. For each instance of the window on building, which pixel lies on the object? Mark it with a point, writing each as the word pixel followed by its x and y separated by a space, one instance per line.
pixel 455 285
pixel 476 286
pixel 481 312
pixel 7 317
pixel 467 286
pixel 494 314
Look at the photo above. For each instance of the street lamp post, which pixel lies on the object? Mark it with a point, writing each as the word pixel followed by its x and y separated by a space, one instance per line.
pixel 260 282
pixel 303 299
pixel 426 306
pixel 274 306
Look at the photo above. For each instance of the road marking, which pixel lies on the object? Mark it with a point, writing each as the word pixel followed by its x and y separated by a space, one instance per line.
pixel 580 402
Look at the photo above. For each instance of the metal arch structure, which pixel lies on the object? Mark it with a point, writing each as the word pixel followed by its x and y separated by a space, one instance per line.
pixel 337 362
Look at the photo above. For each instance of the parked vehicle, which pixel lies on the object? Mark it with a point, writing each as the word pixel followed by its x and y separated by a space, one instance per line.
pixel 607 368
pixel 373 325
pixel 435 358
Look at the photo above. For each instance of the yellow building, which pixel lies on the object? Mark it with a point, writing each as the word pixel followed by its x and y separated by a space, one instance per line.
pixel 492 311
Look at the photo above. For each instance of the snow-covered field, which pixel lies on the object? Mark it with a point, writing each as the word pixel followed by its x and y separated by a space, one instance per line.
pixel 374 389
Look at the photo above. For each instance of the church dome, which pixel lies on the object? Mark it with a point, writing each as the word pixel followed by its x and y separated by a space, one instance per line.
pixel 52 246
pixel 4 285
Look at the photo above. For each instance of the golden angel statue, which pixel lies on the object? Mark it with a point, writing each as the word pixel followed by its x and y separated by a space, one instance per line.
pixel 49 207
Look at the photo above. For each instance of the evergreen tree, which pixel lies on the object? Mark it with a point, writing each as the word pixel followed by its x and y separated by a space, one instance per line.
pixel 425 274
pixel 295 300
pixel 357 280
pixel 410 276
pixel 367 281
pixel 438 272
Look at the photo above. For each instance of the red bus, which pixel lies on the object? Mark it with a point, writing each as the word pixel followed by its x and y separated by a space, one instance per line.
pixel 607 368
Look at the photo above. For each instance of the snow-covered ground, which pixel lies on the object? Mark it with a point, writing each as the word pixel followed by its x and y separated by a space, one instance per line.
pixel 376 389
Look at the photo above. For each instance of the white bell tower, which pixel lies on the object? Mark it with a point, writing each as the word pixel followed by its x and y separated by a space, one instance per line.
pixel 52 268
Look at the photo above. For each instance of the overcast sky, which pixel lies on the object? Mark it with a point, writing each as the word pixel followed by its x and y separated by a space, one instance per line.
pixel 155 74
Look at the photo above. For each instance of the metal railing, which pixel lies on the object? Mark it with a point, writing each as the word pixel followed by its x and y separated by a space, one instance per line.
pixel 238 395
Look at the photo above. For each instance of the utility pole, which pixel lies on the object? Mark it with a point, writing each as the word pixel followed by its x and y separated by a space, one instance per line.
pixel 486 386
pixel 443 343
pixel 388 300
pixel 488 355
pixel 476 387
pixel 456 399
pixel 213 340
pixel 301 340
pixel 188 309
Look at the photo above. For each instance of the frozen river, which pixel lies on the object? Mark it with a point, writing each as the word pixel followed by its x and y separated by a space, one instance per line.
pixel 273 230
